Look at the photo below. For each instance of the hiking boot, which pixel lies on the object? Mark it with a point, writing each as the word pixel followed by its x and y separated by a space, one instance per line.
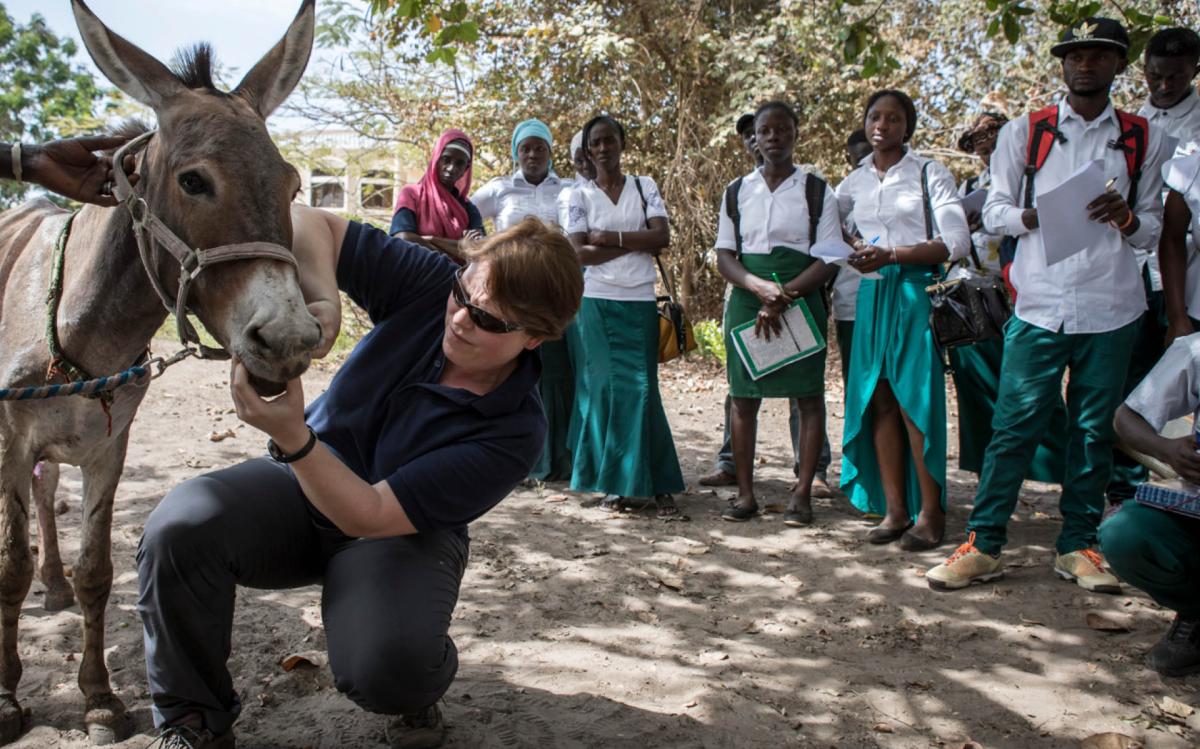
pixel 1087 569
pixel 423 730
pixel 1178 652
pixel 719 477
pixel 185 736
pixel 966 566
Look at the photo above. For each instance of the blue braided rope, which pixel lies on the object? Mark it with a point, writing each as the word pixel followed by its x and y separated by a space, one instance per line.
pixel 81 387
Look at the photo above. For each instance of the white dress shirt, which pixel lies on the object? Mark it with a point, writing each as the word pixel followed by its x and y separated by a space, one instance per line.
pixel 1099 289
pixel 1182 174
pixel 631 276
pixel 889 210
pixel 1172 389
pixel 1181 124
pixel 777 219
pixel 987 244
pixel 508 199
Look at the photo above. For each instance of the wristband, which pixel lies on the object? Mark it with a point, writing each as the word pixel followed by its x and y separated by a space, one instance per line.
pixel 280 456
pixel 1128 222
pixel 620 239
pixel 16 161
pixel 894 260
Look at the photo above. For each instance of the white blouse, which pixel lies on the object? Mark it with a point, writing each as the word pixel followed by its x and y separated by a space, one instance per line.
pixel 776 219
pixel 630 277
pixel 508 199
pixel 889 210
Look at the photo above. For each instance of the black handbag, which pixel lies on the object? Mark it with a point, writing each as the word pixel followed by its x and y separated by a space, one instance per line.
pixel 969 309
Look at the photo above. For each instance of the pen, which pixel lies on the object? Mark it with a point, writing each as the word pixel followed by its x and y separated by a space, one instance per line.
pixel 1110 183
pixel 775 277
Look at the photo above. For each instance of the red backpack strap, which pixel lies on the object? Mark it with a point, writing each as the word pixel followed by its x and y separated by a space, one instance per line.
pixel 1135 131
pixel 1043 131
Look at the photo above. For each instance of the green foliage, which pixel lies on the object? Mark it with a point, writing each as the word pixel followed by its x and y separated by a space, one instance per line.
pixel 439 27
pixel 44 94
pixel 710 339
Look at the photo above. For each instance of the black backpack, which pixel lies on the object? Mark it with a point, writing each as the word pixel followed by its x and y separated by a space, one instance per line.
pixel 814 193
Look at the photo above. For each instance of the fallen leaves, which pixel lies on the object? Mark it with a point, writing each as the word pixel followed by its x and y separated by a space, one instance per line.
pixel 1174 710
pixel 221 436
pixel 557 498
pixel 307 658
pixel 883 728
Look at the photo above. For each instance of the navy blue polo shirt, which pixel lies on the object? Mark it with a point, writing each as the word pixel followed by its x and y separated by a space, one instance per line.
pixel 448 454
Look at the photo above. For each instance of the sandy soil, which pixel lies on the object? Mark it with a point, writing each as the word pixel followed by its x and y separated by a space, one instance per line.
pixel 577 629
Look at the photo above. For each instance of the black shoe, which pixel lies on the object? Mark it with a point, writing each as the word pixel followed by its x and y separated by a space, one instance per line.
pixel 1178 652
pixel 190 737
pixel 423 730
pixel 912 542
pixel 799 517
pixel 735 514
pixel 880 535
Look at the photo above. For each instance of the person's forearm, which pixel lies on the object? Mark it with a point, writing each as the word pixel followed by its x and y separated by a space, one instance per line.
pixel 732 270
pixel 1172 263
pixel 645 240
pixel 357 508
pixel 590 254
pixel 812 278
pixel 1136 433
pixel 924 253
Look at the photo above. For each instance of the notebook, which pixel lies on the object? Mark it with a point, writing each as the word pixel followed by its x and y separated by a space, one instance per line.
pixel 800 338
pixel 1172 495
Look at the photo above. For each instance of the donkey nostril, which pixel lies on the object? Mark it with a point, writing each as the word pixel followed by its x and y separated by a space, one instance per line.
pixel 254 336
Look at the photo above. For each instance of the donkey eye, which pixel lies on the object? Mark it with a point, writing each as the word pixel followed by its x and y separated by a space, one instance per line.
pixel 192 183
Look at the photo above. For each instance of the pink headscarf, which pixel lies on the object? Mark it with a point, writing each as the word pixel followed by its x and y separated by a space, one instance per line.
pixel 438 212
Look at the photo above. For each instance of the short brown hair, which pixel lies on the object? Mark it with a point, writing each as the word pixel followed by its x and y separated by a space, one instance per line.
pixel 535 277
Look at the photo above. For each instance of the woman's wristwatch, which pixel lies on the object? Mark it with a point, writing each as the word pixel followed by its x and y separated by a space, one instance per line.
pixel 279 456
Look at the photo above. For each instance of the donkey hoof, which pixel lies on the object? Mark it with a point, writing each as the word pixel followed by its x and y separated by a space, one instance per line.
pixel 107 720
pixel 14 719
pixel 59 597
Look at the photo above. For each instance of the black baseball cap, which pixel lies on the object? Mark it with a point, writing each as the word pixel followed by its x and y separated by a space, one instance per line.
pixel 745 122
pixel 1093 31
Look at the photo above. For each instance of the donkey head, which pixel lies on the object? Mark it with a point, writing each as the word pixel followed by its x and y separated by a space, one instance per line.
pixel 214 176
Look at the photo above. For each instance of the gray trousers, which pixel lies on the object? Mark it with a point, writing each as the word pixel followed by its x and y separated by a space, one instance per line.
pixel 386 603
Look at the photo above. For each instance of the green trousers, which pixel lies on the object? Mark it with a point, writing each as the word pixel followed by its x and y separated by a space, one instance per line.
pixel 1158 552
pixel 1127 473
pixel 1030 382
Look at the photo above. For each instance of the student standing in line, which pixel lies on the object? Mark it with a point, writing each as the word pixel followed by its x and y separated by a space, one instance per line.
pixel 1080 313
pixel 908 211
pixel 435 212
pixel 765 258
pixel 845 283
pixel 976 368
pixel 534 190
pixel 725 471
pixel 1152 549
pixel 1172 105
pixel 618 224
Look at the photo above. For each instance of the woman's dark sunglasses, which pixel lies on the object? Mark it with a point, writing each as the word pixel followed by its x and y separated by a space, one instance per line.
pixel 483 319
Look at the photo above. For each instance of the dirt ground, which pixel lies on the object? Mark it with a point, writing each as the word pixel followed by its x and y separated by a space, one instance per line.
pixel 577 629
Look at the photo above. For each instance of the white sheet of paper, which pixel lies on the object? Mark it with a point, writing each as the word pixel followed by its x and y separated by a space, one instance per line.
pixel 973 201
pixel 795 337
pixel 834 251
pixel 1063 217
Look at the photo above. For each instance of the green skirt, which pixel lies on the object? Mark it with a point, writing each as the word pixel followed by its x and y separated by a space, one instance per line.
pixel 623 443
pixel 558 399
pixel 977 381
pixel 801 379
pixel 892 341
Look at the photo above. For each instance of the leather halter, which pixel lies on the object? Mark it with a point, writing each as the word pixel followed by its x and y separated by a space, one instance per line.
pixel 149 230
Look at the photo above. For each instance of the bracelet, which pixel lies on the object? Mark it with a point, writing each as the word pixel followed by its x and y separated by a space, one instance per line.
pixel 620 239
pixel 279 456
pixel 16 161
pixel 894 260
pixel 1128 222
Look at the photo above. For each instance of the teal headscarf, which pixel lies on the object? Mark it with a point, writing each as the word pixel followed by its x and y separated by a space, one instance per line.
pixel 530 129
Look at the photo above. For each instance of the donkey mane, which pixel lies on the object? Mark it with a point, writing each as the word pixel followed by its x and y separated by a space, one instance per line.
pixel 194 67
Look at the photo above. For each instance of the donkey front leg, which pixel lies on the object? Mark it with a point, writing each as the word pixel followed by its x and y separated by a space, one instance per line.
pixel 59 595
pixel 106 718
pixel 16 574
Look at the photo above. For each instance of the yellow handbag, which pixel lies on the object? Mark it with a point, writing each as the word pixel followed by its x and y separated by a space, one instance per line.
pixel 675 336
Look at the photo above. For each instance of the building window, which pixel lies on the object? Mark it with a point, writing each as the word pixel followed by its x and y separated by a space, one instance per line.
pixel 328 190
pixel 375 191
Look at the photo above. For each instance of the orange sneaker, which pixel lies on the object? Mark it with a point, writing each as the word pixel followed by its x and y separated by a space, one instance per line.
pixel 966 566
pixel 1087 569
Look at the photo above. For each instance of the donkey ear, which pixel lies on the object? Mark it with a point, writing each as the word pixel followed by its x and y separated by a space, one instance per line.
pixel 128 67
pixel 274 76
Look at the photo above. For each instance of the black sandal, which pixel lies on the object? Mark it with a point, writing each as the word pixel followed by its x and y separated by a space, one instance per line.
pixel 735 514
pixel 612 503
pixel 667 509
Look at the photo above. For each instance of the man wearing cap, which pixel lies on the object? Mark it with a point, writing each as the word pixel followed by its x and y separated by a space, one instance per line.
pixel 1080 313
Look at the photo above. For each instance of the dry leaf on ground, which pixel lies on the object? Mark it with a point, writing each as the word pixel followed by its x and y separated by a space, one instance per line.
pixel 1108 622
pixel 882 728
pixel 557 498
pixel 221 436
pixel 1110 741
pixel 1175 710
pixel 313 658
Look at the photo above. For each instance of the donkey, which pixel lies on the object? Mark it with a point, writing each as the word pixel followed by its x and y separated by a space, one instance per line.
pixel 213 176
